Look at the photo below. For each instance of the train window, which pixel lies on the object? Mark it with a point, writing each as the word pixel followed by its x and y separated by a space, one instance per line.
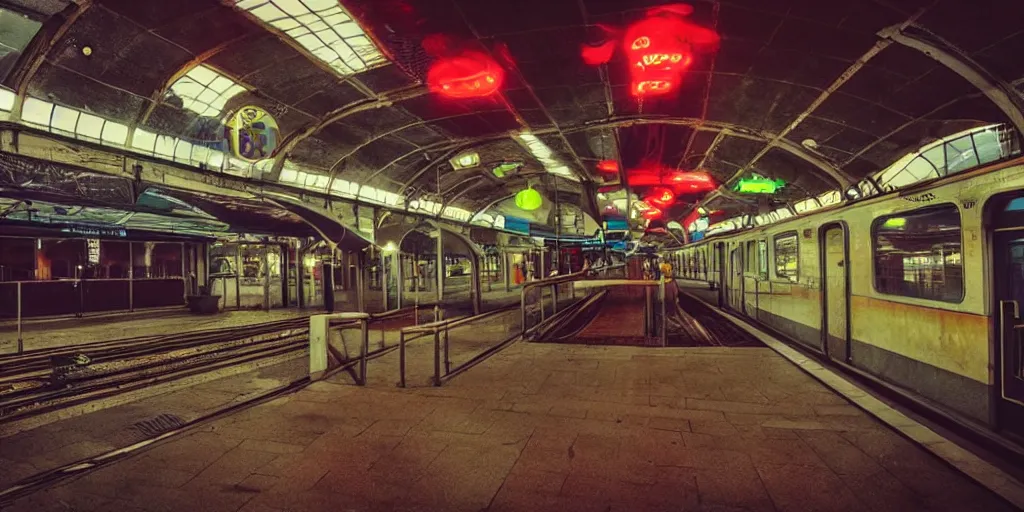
pixel 787 256
pixel 751 260
pixel 918 254
pixel 762 258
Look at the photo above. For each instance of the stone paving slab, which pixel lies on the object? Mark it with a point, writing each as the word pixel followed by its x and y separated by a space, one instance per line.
pixel 542 427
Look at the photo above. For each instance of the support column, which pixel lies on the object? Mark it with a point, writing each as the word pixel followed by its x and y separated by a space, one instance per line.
pixel 397 262
pixel 300 277
pixel 328 283
pixel 238 279
pixel 507 270
pixel 440 265
pixel 361 281
pixel 383 275
pixel 266 277
pixel 475 292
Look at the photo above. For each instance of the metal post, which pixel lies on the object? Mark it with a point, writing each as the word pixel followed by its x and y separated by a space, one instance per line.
pixel 416 289
pixel 447 358
pixel 384 281
pixel 474 283
pixel 399 277
pixel 647 311
pixel 664 319
pixel 238 280
pixel 507 271
pixel 401 359
pixel 554 299
pixel 327 276
pixel 437 358
pixel 440 265
pixel 365 333
pixel 131 278
pixel 184 280
pixel 361 281
pixel 300 278
pixel 21 342
pixel 266 277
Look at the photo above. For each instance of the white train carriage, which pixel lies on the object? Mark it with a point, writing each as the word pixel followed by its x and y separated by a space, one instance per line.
pixel 920 288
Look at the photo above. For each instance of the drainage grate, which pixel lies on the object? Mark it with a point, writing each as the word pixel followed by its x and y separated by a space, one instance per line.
pixel 158 425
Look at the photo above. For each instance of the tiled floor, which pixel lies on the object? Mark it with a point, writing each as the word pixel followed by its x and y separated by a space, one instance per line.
pixel 543 427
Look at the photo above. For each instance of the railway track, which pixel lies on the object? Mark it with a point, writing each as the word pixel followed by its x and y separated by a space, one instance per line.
pixel 46 380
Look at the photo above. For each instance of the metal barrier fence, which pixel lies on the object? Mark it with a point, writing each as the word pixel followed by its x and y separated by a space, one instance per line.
pixel 561 294
pixel 535 309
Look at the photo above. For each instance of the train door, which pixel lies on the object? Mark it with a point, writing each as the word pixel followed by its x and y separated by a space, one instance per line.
pixel 720 272
pixel 834 250
pixel 736 278
pixel 1007 279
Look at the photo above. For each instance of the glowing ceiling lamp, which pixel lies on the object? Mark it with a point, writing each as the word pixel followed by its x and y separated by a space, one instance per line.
pixel 652 213
pixel 528 199
pixel 608 166
pixel 470 74
pixel 660 196
pixel 502 169
pixel 758 184
pixel 465 161
pixel 659 48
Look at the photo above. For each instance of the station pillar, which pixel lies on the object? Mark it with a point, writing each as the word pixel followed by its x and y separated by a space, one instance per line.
pixel 328 278
pixel 475 291
pixel 440 265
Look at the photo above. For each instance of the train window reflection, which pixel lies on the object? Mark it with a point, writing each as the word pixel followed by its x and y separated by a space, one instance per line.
pixel 787 257
pixel 918 254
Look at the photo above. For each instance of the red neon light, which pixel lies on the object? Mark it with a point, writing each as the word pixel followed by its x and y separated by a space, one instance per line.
pixel 652 213
pixel 609 166
pixel 660 196
pixel 659 48
pixel 471 74
pixel 597 55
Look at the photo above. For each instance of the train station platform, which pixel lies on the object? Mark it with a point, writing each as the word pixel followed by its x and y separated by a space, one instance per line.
pixel 541 427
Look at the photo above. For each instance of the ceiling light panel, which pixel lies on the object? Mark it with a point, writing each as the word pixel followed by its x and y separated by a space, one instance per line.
pixel 542 152
pixel 205 91
pixel 323 27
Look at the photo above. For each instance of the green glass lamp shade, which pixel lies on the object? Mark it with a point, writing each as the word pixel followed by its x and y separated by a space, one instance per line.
pixel 759 185
pixel 528 199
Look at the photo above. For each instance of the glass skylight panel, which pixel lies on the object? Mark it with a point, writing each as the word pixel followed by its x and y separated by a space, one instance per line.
pixel 7 98
pixel 205 91
pixel 323 27
pixel 36 112
pixel 543 153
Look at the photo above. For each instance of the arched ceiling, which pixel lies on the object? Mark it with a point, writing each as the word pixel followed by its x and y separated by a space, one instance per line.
pixel 787 71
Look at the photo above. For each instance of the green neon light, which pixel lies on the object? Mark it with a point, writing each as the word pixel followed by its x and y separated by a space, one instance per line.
pixel 528 199
pixel 502 169
pixel 758 184
pixel 895 223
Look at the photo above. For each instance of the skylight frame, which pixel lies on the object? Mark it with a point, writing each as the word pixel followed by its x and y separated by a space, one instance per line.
pixel 206 91
pixel 324 28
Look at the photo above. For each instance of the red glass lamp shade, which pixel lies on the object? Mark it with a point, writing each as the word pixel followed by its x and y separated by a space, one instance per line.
pixel 652 213
pixel 691 182
pixel 608 166
pixel 471 74
pixel 660 196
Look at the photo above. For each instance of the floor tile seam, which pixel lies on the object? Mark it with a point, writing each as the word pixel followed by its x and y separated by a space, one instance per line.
pixel 1015 493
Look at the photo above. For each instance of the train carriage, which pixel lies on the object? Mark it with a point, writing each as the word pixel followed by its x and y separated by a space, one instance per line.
pixel 919 288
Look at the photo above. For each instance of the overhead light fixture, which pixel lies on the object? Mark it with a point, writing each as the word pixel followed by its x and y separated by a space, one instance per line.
pixel 87 51
pixel 389 248
pixel 465 161
pixel 703 212
pixel 528 199
pixel 502 169
pixel 608 166
pixel 758 184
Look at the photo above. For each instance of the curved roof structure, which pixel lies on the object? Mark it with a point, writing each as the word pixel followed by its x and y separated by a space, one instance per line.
pixel 819 94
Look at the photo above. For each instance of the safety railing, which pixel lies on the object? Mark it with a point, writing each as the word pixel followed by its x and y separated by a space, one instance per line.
pixel 534 303
pixel 653 293
pixel 320 348
pixel 440 331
